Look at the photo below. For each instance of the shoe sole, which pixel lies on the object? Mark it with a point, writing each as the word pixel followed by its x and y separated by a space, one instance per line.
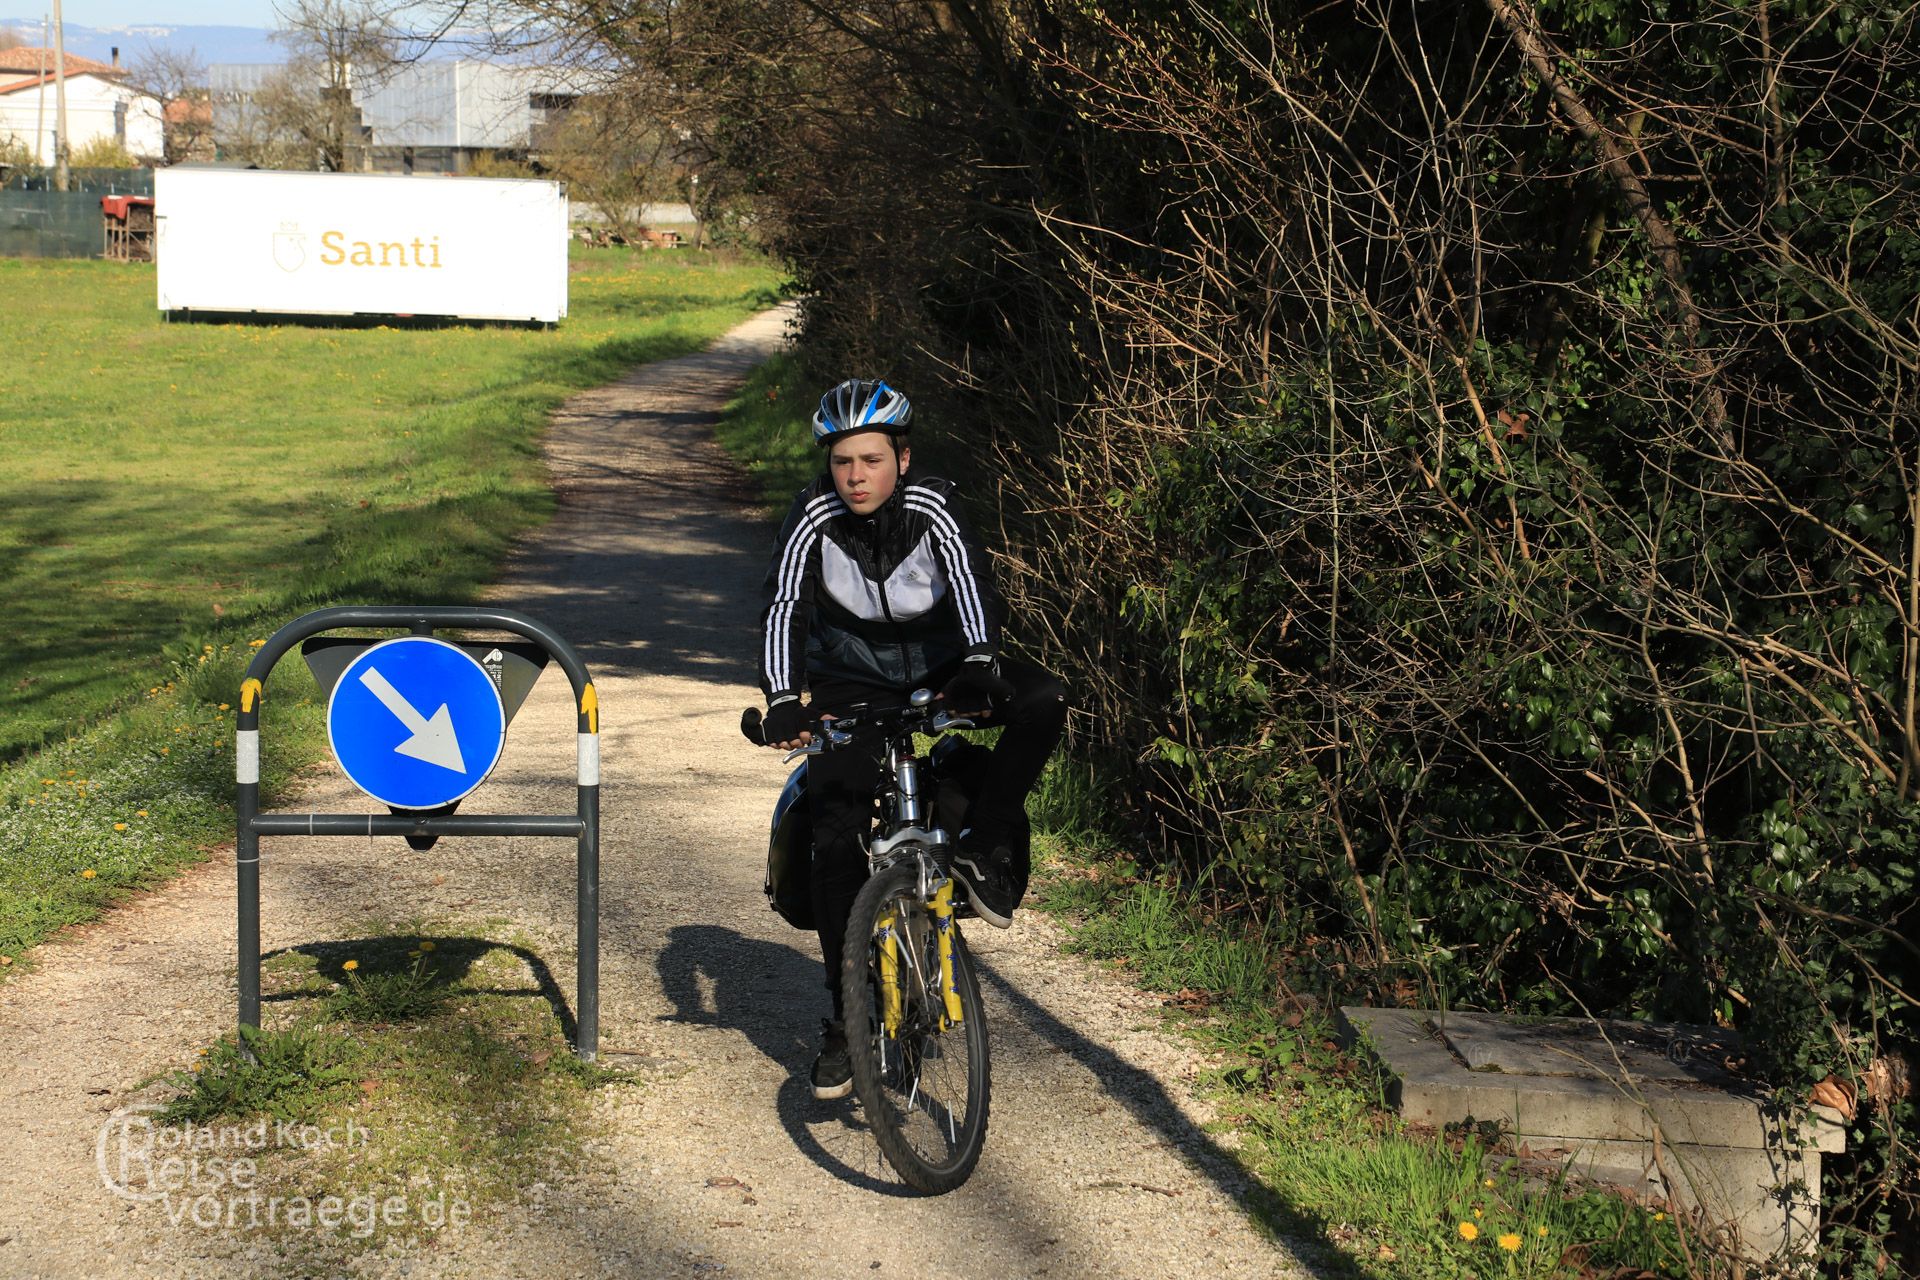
pixel 980 908
pixel 827 1093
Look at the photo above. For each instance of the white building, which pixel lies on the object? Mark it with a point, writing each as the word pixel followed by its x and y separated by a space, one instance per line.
pixel 100 104
pixel 429 117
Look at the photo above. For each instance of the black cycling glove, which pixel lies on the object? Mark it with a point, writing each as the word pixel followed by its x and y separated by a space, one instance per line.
pixel 784 722
pixel 977 687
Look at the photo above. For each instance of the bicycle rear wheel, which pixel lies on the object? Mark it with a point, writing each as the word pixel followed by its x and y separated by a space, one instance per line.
pixel 922 1079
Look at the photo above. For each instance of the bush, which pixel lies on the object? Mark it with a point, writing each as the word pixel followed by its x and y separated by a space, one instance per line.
pixel 1476 490
pixel 102 153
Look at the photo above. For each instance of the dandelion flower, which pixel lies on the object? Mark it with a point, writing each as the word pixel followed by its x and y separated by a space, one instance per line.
pixel 88 874
pixel 1541 1231
pixel 425 945
pixel 351 965
pixel 48 782
pixel 166 751
pixel 1659 1217
pixel 1510 1242
pixel 226 706
pixel 1478 1214
pixel 119 826
pixel 139 813
pixel 1487 1183
pixel 1469 1232
pixel 256 644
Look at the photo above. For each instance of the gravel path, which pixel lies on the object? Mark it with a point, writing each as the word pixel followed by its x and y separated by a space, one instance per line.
pixel 721 1163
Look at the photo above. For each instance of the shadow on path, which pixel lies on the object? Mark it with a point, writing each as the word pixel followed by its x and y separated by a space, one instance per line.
pixel 1147 1099
pixel 453 962
pixel 719 978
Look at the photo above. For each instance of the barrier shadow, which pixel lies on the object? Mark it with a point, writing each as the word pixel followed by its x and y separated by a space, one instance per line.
pixel 454 960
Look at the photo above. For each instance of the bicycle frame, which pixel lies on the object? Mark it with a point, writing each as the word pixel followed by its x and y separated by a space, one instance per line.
pixel 903 834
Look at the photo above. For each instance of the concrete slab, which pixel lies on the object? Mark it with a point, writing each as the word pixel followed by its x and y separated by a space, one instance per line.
pixel 1647 1107
pixel 1563 1046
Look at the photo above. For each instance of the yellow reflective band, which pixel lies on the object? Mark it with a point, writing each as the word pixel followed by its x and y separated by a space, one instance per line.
pixel 590 707
pixel 250 692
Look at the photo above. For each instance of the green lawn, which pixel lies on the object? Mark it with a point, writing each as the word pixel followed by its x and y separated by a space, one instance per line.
pixel 166 483
pixel 173 491
pixel 766 430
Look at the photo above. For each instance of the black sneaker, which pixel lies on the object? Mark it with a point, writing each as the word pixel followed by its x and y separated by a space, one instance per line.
pixel 832 1070
pixel 988 877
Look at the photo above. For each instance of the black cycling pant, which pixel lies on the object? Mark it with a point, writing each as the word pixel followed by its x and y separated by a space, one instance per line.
pixel 841 787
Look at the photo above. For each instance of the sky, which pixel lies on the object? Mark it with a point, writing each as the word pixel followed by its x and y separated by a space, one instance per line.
pixel 123 13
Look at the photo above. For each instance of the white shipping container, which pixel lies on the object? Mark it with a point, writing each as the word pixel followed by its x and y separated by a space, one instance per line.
pixel 360 244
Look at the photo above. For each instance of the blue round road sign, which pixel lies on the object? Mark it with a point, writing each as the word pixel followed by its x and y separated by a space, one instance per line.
pixel 416 722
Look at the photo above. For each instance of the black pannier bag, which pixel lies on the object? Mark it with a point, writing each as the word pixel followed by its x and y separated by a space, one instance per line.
pixel 789 884
pixel 959 771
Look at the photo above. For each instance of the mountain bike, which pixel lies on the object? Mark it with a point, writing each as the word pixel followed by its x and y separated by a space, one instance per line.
pixel 916 1033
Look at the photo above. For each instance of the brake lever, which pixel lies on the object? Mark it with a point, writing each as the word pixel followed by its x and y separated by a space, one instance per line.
pixel 827 737
pixel 942 722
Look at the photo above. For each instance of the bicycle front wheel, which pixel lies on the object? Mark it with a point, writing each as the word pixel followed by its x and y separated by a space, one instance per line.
pixel 920 1073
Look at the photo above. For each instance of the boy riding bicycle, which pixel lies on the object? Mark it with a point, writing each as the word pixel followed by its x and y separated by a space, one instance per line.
pixel 876 588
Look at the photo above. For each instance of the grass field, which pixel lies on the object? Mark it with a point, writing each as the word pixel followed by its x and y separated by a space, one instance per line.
pixel 168 483
pixel 172 492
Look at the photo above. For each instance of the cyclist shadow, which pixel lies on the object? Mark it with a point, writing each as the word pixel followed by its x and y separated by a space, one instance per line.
pixel 772 994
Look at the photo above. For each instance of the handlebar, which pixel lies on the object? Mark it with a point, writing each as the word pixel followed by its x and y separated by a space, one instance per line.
pixel 830 732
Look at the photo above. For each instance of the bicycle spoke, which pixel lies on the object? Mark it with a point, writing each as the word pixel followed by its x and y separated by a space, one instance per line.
pixel 926 1093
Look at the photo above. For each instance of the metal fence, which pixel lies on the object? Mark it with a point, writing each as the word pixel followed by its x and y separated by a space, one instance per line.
pixel 39 222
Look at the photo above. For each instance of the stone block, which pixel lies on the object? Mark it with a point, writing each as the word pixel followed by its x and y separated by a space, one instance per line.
pixel 1616 1103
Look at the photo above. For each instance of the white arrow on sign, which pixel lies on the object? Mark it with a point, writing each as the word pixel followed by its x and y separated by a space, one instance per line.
pixel 433 740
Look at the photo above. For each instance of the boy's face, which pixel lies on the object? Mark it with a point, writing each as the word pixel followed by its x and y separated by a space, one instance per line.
pixel 866 468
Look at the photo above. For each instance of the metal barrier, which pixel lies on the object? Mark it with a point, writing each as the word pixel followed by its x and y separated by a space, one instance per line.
pixel 583 824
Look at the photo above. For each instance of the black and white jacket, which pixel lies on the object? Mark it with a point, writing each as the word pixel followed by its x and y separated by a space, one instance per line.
pixel 885 599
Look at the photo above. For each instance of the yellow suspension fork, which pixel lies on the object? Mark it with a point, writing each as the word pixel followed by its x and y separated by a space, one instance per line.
pixel 943 934
pixel 890 1003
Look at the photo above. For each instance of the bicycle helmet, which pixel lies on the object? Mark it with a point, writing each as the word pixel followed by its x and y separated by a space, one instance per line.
pixel 860 404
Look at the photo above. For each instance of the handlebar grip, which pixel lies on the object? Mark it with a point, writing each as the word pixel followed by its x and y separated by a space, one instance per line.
pixel 750 726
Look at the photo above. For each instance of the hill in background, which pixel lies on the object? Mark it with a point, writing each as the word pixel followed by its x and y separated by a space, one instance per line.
pixel 210 43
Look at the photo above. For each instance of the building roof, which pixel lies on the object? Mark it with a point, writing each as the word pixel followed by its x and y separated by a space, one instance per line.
pixel 14 62
pixel 189 111
pixel 30 61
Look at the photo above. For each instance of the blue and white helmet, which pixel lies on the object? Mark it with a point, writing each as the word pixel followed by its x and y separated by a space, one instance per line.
pixel 859 404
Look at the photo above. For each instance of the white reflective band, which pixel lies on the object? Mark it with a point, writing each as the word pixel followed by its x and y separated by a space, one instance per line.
pixel 589 759
pixel 246 755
